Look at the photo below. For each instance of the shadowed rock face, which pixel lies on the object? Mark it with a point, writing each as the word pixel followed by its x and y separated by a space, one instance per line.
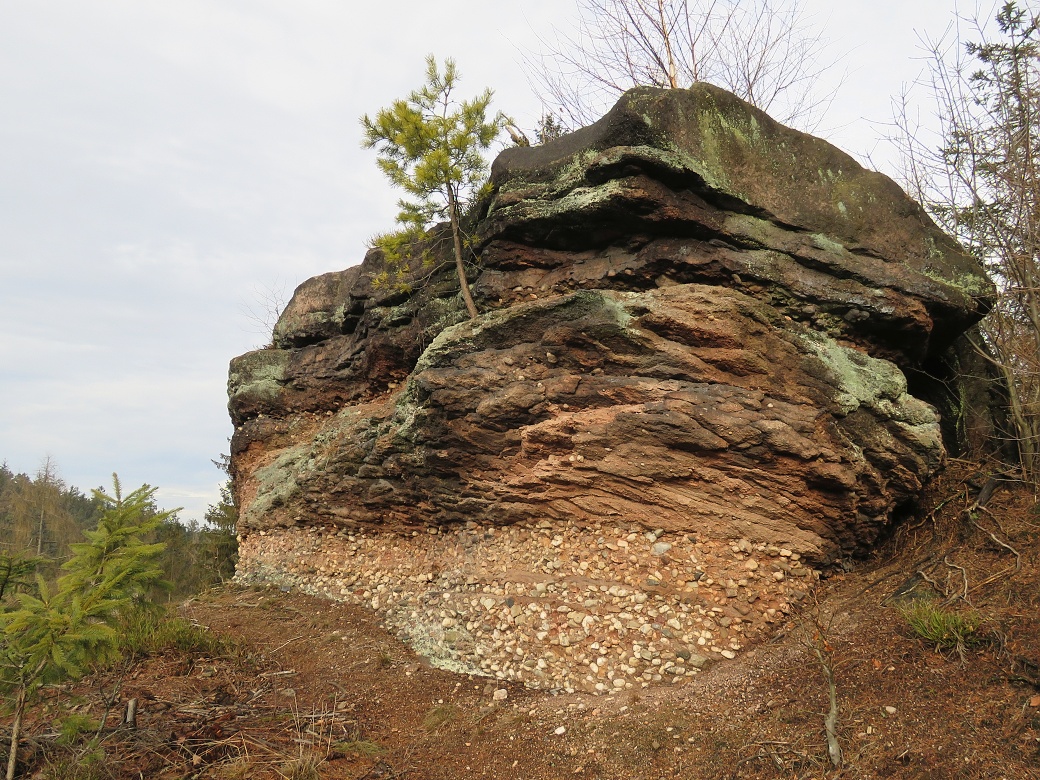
pixel 694 319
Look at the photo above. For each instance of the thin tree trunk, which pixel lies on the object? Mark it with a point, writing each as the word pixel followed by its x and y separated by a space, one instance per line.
pixel 830 722
pixel 12 758
pixel 666 37
pixel 453 208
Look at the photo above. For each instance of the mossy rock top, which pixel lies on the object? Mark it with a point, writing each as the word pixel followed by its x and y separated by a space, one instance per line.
pixel 710 141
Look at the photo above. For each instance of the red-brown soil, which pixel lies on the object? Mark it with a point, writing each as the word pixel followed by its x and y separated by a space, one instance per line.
pixel 320 690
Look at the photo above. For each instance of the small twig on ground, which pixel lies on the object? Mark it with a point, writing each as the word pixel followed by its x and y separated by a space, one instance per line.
pixel 993 578
pixel 110 700
pixel 993 536
pixel 816 631
pixel 830 722
pixel 920 573
pixel 964 575
pixel 995 519
pixel 286 642
pixel 776 751
pixel 877 582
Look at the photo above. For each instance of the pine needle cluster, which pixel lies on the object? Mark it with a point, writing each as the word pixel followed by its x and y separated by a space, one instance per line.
pixel 52 633
pixel 431 145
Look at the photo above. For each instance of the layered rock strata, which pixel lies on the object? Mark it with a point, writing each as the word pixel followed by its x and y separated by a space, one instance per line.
pixel 695 321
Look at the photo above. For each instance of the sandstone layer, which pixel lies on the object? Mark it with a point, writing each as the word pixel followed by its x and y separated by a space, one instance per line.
pixel 695 321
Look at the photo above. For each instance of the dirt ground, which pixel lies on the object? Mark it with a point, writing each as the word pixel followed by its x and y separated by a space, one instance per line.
pixel 319 690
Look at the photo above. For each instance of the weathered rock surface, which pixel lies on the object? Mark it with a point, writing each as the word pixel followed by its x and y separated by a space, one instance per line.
pixel 695 320
pixel 697 186
pixel 686 407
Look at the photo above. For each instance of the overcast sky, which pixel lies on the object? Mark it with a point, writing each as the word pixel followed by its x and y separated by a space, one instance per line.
pixel 168 167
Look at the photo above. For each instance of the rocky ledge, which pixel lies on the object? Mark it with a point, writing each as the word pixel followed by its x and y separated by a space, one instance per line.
pixel 695 321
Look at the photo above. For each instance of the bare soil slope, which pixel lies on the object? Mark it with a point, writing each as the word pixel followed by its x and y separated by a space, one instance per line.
pixel 320 690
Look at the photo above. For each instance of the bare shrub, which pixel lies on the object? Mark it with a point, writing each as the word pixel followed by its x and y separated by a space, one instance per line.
pixel 765 51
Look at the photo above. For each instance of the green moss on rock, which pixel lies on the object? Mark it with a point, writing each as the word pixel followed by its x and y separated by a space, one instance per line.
pixel 715 142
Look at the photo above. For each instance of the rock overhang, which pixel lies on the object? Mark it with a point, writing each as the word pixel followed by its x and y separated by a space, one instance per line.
pixel 701 163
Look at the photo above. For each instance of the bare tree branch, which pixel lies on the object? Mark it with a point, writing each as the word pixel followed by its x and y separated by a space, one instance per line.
pixel 764 51
pixel 979 177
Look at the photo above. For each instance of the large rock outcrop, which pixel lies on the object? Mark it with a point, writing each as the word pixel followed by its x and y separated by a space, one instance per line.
pixel 693 315
pixel 695 321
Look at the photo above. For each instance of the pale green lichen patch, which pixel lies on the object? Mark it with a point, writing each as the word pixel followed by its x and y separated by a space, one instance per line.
pixel 580 200
pixel 859 379
pixel 751 228
pixel 276 485
pixel 258 375
pixel 744 132
pixel 863 381
pixel 973 285
pixel 827 244
pixel 434 643
pixel 261 364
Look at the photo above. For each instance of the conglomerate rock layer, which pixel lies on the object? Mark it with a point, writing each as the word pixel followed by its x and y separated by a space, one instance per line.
pixel 694 321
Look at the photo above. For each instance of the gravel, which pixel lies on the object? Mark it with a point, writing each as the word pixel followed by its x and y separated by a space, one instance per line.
pixel 600 609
